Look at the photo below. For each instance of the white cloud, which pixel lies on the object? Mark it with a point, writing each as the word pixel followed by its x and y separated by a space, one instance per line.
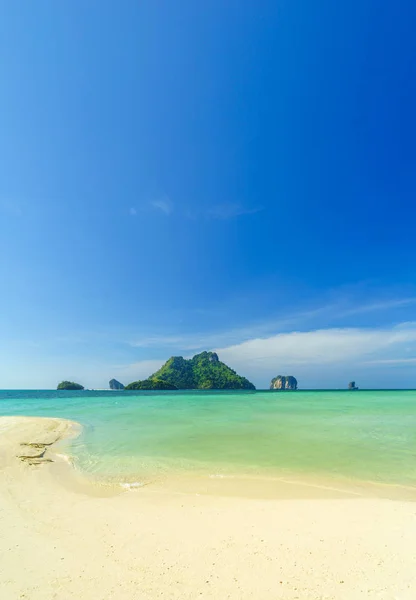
pixel 324 347
pixel 163 205
pixel 133 211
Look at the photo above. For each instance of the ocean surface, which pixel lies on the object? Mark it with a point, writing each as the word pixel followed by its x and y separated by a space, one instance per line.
pixel 130 437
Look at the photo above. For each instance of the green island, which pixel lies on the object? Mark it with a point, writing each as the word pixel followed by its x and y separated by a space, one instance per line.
pixel 69 385
pixel 202 372
pixel 151 384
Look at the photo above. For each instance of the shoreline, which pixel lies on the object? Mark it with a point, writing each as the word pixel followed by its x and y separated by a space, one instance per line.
pixel 63 537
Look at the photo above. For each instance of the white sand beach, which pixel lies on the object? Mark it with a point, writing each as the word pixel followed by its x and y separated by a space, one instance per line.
pixel 63 538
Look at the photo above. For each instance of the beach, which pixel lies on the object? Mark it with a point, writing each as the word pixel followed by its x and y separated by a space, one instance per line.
pixel 65 537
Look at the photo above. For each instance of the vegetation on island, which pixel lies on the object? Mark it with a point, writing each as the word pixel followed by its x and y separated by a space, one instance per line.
pixel 202 372
pixel 150 384
pixel 69 385
pixel 284 382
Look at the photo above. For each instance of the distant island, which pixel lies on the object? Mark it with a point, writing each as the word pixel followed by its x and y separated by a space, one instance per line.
pixel 69 385
pixel 352 386
pixel 115 385
pixel 284 382
pixel 151 384
pixel 202 372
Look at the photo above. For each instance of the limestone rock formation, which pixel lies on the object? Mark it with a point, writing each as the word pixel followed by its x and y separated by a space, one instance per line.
pixel 352 386
pixel 115 385
pixel 213 357
pixel 284 382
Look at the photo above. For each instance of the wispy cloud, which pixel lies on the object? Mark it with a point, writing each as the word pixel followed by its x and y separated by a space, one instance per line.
pixel 202 340
pixel 137 370
pixel 133 211
pixel 300 321
pixel 320 347
pixel 164 205
pixel 379 306
pixel 393 362
pixel 231 210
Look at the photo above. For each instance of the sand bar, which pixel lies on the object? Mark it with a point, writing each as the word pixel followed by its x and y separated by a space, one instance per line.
pixel 62 538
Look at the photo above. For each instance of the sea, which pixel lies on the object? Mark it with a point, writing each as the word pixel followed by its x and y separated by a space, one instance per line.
pixel 133 438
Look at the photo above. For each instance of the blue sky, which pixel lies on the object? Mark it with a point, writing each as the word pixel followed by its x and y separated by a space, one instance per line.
pixel 237 176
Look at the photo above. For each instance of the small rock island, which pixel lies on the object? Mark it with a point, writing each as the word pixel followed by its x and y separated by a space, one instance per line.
pixel 284 382
pixel 352 386
pixel 204 371
pixel 115 385
pixel 69 385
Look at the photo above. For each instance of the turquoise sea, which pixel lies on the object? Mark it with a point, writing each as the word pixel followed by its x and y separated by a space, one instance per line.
pixel 137 436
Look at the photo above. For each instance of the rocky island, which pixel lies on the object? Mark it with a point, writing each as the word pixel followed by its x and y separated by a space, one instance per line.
pixel 69 385
pixel 284 382
pixel 352 386
pixel 115 385
pixel 204 371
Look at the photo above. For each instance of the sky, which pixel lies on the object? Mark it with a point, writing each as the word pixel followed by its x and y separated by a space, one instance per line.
pixel 233 176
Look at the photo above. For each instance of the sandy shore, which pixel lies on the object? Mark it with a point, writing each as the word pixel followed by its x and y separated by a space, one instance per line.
pixel 63 538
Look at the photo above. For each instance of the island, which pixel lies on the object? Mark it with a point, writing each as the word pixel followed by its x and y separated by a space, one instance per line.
pixel 352 386
pixel 284 382
pixel 204 371
pixel 115 385
pixel 151 384
pixel 69 385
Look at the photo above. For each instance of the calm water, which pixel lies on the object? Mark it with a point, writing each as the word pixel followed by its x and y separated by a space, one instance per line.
pixel 134 436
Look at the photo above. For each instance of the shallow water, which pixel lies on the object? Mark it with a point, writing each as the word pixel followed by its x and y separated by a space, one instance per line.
pixel 139 436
